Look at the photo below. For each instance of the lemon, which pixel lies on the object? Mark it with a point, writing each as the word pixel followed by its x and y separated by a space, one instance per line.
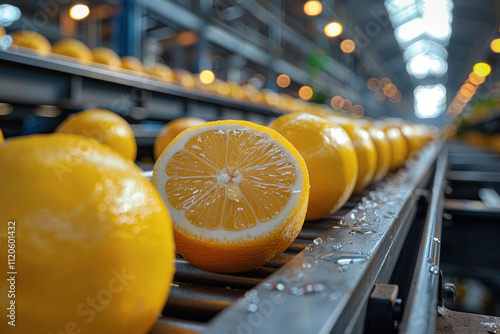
pixel 330 158
pixel 73 48
pixel 171 130
pixel 106 56
pixel 132 63
pixel 161 70
pixel 94 245
pixel 237 192
pixel 105 126
pixel 365 150
pixel 32 40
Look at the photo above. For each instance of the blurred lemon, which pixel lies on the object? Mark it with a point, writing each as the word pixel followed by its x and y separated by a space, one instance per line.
pixel 132 63
pixel 365 150
pixel 73 48
pixel 106 56
pixel 330 158
pixel 32 40
pixel 399 147
pixel 185 78
pixel 172 130
pixel 105 126
pixel 161 70
pixel 94 239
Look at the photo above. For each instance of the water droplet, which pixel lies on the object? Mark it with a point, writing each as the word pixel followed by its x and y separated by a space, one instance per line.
pixel 309 265
pixel 342 268
pixel 342 221
pixel 251 307
pixel 98 187
pixel 330 239
pixel 252 295
pixel 344 258
pixel 337 246
pixel 297 291
pixel 318 241
pixel 491 327
pixel 334 295
pixel 434 269
pixel 274 286
pixel 361 231
pixel 308 249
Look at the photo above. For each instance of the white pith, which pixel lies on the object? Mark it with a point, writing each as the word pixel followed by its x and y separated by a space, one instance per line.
pixel 224 176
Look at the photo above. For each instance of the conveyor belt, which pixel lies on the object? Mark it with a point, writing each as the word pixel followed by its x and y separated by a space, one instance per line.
pixel 62 81
pixel 319 284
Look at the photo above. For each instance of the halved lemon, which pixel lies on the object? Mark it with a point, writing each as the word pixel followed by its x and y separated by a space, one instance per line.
pixel 237 193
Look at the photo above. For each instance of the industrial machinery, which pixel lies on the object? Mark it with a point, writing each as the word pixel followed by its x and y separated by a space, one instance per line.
pixel 382 264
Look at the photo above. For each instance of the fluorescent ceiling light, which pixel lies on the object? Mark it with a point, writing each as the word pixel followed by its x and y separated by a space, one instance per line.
pixel 426 64
pixel 424 46
pixel 409 31
pixel 9 14
pixel 429 100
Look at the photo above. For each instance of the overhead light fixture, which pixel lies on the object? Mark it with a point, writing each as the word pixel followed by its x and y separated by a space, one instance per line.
pixel 207 77
pixel 79 12
pixel 482 69
pixel 495 45
pixel 313 8
pixel 358 111
pixel 476 79
pixel 9 14
pixel 337 102
pixel 429 100
pixel 423 29
pixel 426 64
pixel 306 93
pixel 347 46
pixel 373 84
pixel 333 29
pixel 346 106
pixel 283 80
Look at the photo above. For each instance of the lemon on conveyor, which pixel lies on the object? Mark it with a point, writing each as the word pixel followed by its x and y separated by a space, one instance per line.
pixel 237 193
pixel 94 241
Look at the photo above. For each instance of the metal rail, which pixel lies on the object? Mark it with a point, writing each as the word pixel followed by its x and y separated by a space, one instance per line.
pixel 421 308
pixel 58 79
pixel 325 288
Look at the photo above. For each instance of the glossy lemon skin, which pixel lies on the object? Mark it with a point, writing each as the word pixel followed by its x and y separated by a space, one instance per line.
pixel 132 63
pixel 161 70
pixel 106 56
pixel 172 130
pixel 384 154
pixel 330 158
pixel 32 40
pixel 365 150
pixel 105 126
pixel 94 243
pixel 73 48
pixel 399 147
